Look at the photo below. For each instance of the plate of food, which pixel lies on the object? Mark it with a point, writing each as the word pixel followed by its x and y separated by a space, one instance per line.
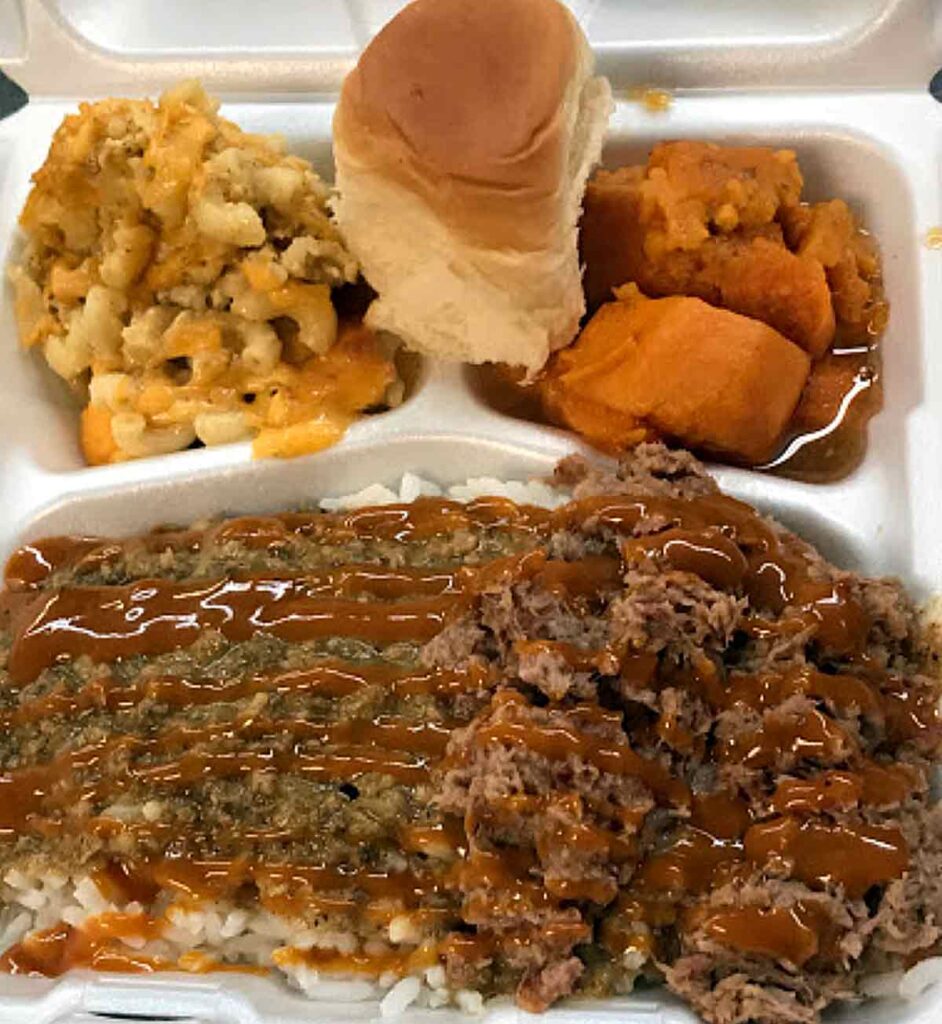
pixel 470 538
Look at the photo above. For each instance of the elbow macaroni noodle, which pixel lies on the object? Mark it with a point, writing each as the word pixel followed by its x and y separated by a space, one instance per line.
pixel 180 270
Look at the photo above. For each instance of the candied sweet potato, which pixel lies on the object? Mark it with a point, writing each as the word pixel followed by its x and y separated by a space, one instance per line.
pixel 611 235
pixel 753 274
pixel 710 378
pixel 760 279
pixel 829 233
pixel 725 224
pixel 607 428
pixel 694 189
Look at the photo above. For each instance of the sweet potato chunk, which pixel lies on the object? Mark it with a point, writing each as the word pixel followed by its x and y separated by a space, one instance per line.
pixel 755 276
pixel 679 367
pixel 706 220
pixel 694 189
pixel 612 234
pixel 763 280
pixel 829 233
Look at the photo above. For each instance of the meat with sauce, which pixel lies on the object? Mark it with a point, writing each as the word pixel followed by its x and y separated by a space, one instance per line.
pixel 650 732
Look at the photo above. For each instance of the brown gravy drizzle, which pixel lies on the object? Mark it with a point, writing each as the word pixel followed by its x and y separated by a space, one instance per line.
pixel 718 837
pixel 558 742
pixel 421 520
pixel 810 734
pixel 152 617
pixel 856 856
pixel 329 678
pixel 871 785
pixel 795 934
pixel 708 554
pixel 59 949
pixel 155 616
pixel 772 575
pixel 722 843
pixel 35 562
pixel 395 748
pixel 906 713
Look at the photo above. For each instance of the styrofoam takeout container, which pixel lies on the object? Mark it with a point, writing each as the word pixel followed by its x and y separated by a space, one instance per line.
pixel 842 82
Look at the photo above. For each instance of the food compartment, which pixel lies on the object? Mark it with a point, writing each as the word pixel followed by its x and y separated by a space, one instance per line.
pixel 277 486
pixel 450 428
pixel 861 169
pixel 45 429
pixel 834 167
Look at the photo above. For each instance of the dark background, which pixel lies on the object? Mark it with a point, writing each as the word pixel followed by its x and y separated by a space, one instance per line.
pixel 12 96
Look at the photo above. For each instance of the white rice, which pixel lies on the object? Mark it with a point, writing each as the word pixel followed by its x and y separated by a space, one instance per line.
pixel 402 995
pixel 218 931
pixel 530 492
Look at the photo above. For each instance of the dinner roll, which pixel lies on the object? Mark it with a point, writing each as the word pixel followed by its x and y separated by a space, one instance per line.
pixel 463 140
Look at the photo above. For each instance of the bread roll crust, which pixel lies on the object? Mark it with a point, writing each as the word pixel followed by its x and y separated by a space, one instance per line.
pixel 463 104
pixel 463 140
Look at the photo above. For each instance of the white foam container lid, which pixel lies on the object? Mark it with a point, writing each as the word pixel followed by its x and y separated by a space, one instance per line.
pixel 842 82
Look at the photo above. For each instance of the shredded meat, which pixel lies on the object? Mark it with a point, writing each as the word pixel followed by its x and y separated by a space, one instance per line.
pixel 649 731
pixel 767 714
